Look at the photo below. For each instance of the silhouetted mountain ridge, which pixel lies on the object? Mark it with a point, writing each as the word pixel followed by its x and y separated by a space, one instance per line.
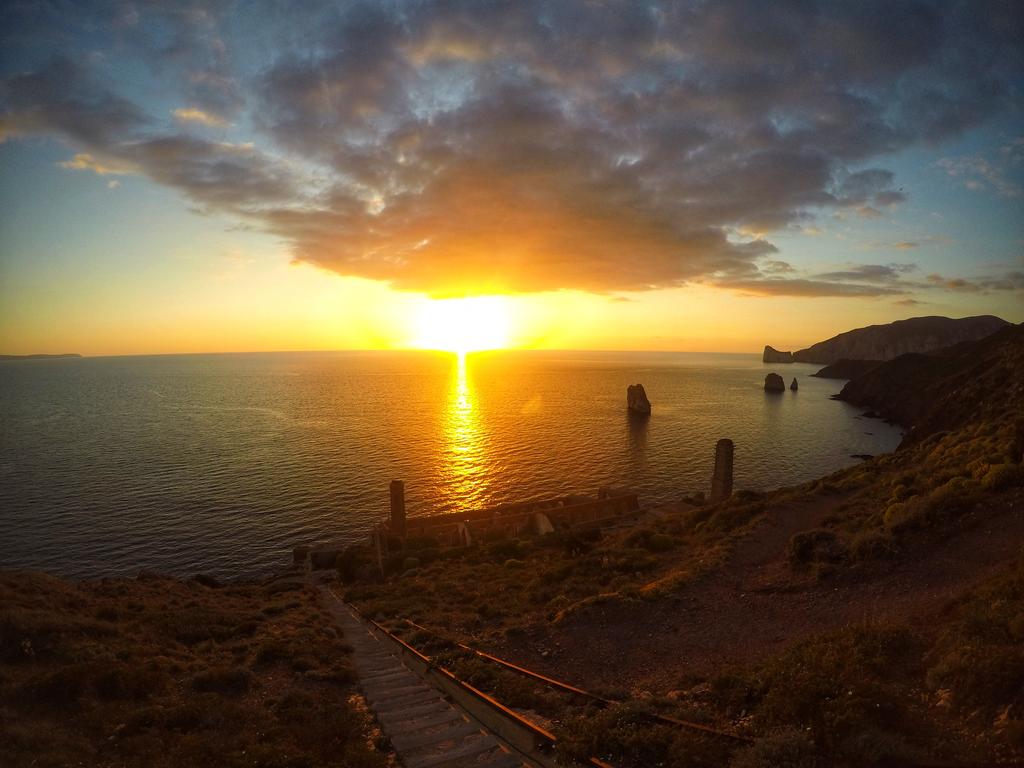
pixel 885 342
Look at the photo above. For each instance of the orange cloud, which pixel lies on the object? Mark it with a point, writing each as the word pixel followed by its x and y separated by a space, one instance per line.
pixel 194 115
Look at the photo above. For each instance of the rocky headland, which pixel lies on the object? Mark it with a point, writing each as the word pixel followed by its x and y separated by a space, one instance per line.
pixel 884 342
pixel 948 388
pixel 846 369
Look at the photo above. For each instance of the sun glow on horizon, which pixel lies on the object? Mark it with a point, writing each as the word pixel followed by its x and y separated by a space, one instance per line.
pixel 463 325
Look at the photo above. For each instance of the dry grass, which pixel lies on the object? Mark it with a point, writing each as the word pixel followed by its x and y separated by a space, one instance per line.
pixel 159 672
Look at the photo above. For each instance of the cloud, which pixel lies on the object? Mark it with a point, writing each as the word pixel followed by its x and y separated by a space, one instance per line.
pixel 979 173
pixel 464 147
pixel 63 99
pixel 873 273
pixel 195 115
pixel 809 288
pixel 1009 281
pixel 83 161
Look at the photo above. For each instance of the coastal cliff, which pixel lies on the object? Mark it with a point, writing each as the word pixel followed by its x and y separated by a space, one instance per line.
pixel 846 369
pixel 973 381
pixel 885 342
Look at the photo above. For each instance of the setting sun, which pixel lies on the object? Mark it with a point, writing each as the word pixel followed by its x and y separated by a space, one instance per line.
pixel 462 325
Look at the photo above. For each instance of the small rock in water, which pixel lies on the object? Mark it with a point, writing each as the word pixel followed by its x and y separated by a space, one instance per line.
pixel 794 386
pixel 774 383
pixel 636 400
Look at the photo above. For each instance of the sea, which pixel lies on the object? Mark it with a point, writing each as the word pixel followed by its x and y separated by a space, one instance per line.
pixel 220 464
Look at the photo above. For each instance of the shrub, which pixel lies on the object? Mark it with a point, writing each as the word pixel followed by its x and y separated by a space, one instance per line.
pixel 124 682
pixel 872 545
pixel 816 546
pixel 229 681
pixel 841 684
pixel 1002 476
pixel 958 495
pixel 505 549
pixel 901 493
pixel 785 748
pixel 660 542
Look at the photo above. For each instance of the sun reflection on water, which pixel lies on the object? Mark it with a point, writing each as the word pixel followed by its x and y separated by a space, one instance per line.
pixel 464 443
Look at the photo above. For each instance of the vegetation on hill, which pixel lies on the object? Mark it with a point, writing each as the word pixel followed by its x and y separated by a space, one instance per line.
pixel 871 615
pixel 158 672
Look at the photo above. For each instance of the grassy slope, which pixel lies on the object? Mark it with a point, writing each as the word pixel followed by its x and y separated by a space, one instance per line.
pixel 159 672
pixel 844 620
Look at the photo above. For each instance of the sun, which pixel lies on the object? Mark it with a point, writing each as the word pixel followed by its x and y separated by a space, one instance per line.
pixel 462 325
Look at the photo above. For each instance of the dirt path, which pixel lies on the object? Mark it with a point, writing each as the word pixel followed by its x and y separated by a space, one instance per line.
pixel 753 606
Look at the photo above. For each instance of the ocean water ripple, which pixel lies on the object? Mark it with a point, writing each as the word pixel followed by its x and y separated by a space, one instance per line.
pixel 220 463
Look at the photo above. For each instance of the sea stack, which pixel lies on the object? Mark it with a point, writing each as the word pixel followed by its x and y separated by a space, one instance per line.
pixel 794 386
pixel 636 400
pixel 774 383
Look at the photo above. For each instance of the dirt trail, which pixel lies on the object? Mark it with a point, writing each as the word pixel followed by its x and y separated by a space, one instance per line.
pixel 754 606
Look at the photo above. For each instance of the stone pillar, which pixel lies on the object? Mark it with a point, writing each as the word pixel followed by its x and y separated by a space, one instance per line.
pixel 398 508
pixel 721 481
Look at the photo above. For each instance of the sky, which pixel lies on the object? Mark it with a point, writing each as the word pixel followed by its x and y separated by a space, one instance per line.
pixel 265 175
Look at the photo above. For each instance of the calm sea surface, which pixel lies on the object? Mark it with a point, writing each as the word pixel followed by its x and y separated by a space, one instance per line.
pixel 220 463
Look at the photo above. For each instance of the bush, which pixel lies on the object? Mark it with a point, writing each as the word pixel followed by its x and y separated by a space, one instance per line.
pixel 785 748
pixel 229 681
pixel 660 542
pixel 816 546
pixel 958 495
pixel 506 549
pixel 842 684
pixel 1002 476
pixel 872 545
pixel 901 493
pixel 982 677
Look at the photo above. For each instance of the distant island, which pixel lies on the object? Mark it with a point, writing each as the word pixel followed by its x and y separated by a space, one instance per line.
pixel 878 343
pixel 38 356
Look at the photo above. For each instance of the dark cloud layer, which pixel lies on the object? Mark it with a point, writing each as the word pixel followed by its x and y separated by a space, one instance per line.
pixel 459 147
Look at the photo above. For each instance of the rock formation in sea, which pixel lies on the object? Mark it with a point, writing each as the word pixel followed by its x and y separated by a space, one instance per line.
pixel 774 383
pixel 636 400
pixel 884 342
pixel 772 355
pixel 794 386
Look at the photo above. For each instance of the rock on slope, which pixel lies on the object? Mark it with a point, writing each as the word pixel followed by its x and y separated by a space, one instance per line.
pixel 884 342
pixel 979 380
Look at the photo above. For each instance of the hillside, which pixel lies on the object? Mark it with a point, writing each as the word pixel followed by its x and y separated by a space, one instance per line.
pixel 871 617
pixel 972 381
pixel 846 369
pixel 884 342
pixel 160 673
